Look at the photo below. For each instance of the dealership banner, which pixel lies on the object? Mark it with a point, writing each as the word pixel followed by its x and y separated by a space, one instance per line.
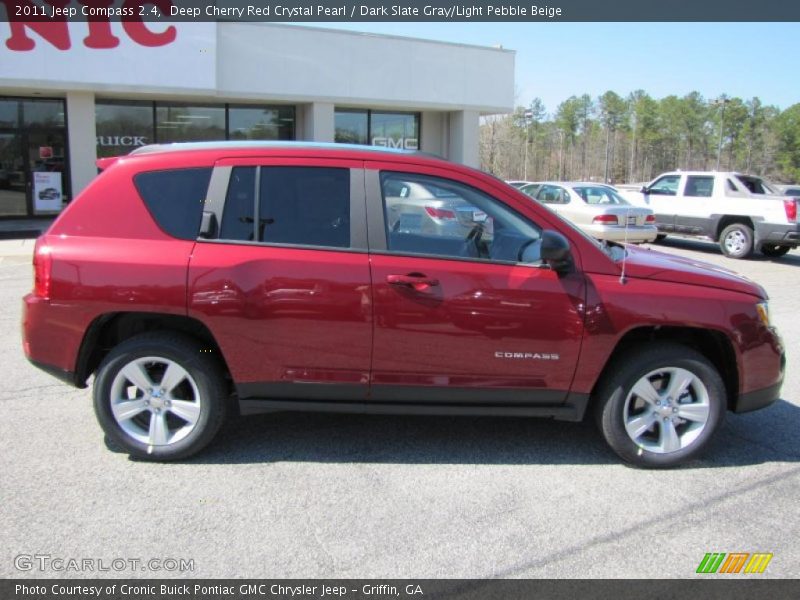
pixel 154 11
pixel 47 191
pixel 374 589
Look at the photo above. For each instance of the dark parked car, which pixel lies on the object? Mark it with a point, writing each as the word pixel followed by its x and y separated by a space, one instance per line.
pixel 194 280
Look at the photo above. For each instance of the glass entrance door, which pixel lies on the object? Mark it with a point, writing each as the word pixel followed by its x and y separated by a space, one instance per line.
pixel 13 180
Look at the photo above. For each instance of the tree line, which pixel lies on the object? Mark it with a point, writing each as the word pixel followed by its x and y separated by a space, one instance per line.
pixel 632 139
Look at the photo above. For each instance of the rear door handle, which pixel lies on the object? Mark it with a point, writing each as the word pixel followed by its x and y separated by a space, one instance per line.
pixel 418 281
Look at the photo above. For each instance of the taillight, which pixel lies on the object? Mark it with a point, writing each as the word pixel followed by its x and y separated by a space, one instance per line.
pixel 790 206
pixel 605 220
pixel 650 219
pixel 42 268
pixel 440 213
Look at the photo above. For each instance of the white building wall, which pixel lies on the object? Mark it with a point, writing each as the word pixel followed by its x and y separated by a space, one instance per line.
pixel 307 64
pixel 464 131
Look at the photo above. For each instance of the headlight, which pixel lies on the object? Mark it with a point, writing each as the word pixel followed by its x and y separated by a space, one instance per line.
pixel 763 312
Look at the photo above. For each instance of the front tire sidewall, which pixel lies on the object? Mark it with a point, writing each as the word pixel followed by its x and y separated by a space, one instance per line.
pixel 204 377
pixel 611 415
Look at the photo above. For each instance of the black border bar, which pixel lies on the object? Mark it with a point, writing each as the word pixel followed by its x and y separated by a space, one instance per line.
pixel 456 11
pixel 728 588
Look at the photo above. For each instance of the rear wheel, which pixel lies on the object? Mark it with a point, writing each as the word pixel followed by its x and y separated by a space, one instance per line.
pixel 773 251
pixel 660 407
pixel 736 240
pixel 158 397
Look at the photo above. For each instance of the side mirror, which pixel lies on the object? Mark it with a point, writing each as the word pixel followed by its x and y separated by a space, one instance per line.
pixel 644 190
pixel 555 251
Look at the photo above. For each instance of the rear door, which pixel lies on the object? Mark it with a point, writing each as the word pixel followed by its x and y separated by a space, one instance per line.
pixel 694 206
pixel 471 317
pixel 283 280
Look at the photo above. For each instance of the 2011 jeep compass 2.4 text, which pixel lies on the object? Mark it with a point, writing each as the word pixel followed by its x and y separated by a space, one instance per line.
pixel 195 279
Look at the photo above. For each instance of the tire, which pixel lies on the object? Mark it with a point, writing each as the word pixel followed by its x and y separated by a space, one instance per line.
pixel 660 238
pixel 773 251
pixel 736 240
pixel 128 396
pixel 641 431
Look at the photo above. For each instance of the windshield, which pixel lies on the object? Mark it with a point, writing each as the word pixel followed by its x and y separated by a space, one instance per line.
pixel 530 189
pixel 599 194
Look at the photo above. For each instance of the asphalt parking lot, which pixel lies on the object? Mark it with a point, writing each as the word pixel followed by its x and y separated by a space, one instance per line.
pixel 292 495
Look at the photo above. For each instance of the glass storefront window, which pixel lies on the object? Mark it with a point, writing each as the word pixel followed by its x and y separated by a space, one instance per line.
pixel 43 113
pixel 395 130
pixel 182 123
pixel 122 126
pixel 261 123
pixel 391 130
pixel 351 127
pixel 9 113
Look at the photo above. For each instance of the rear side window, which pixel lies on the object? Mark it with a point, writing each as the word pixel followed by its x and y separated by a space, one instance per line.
pixel 175 199
pixel 307 206
pixel 699 186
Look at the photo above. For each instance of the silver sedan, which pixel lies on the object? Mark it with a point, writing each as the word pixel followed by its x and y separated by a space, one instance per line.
pixel 597 209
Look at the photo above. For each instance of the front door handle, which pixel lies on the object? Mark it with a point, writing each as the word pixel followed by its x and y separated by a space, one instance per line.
pixel 418 281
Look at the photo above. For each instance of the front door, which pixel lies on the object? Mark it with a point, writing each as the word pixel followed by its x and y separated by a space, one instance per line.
pixel 661 199
pixel 465 312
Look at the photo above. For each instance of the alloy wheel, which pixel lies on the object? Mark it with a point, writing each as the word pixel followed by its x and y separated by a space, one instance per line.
pixel 666 410
pixel 155 401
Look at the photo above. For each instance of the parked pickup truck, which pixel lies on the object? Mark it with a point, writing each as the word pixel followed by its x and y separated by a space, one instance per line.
pixel 741 212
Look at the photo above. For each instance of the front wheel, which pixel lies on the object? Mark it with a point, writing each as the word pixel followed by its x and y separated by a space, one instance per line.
pixel 158 397
pixel 736 240
pixel 773 251
pixel 661 406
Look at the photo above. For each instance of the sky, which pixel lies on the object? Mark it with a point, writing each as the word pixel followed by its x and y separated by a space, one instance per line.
pixel 557 60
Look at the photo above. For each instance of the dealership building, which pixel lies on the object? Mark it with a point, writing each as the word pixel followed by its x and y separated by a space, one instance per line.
pixel 73 92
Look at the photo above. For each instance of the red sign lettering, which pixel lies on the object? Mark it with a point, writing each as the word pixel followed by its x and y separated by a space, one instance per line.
pixel 50 23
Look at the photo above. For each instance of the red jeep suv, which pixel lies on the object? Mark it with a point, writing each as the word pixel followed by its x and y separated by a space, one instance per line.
pixel 197 280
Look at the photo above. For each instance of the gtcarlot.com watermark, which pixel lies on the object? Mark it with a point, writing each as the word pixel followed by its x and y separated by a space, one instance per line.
pixel 45 563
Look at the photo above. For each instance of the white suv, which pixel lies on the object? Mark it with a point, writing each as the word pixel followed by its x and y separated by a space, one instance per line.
pixel 741 212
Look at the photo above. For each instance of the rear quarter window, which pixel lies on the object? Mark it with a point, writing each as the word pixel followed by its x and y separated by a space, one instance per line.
pixel 175 199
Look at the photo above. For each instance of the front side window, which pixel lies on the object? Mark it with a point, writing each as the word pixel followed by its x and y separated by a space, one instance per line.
pixel 307 206
pixel 666 186
pixel 439 217
pixel 699 186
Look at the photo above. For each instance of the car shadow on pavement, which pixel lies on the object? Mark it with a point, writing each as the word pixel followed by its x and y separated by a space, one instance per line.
pixel 759 437
pixel 709 247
